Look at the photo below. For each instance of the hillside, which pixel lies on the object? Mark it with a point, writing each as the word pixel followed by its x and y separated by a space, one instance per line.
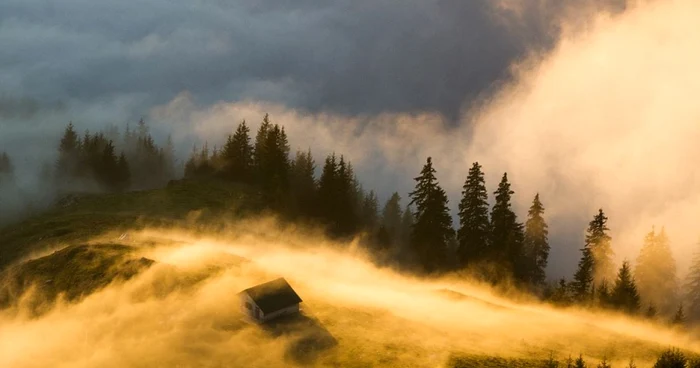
pixel 165 295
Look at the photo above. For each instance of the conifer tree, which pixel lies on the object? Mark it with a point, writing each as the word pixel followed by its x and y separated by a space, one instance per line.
pixel 407 221
pixel 346 212
pixel 6 168
pixel 581 286
pixel 327 188
pixel 624 294
pixel 123 174
pixel 370 212
pixel 507 234
pixel 68 156
pixel 651 311
pixel 599 242
pixel 692 287
pixel 604 363
pixel 473 234
pixel 303 183
pixel 237 155
pixel 655 271
pixel 391 218
pixel 260 148
pixel 536 243
pixel 604 294
pixel 580 363
pixel 432 230
pixel 679 317
pixel 562 293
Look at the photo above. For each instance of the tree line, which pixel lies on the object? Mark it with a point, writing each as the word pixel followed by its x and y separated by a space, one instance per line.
pixel 110 161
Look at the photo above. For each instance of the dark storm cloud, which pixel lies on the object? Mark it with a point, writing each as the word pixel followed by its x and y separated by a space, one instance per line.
pixel 345 56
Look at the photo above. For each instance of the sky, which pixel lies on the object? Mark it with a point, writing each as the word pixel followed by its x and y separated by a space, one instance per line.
pixel 562 95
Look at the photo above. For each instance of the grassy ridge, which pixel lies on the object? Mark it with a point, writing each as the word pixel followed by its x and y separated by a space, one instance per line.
pixel 80 218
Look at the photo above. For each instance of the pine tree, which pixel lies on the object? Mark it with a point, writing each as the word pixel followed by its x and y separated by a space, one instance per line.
pixel 604 363
pixel 599 242
pixel 303 183
pixel 651 312
pixel 473 234
pixel 506 233
pixel 260 148
pixel 123 174
pixel 370 212
pixel 581 286
pixel 536 243
pixel 327 188
pixel 237 155
pixel 346 211
pixel 580 363
pixel 603 294
pixel 432 230
pixel 679 317
pixel 655 271
pixel 671 358
pixel 562 293
pixel 68 156
pixel 391 218
pixel 624 294
pixel 407 221
pixel 692 287
pixel 6 168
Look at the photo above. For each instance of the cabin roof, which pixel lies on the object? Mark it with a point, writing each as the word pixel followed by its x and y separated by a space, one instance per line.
pixel 273 295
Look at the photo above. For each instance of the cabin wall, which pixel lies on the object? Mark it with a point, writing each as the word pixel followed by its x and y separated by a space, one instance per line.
pixel 289 310
pixel 249 307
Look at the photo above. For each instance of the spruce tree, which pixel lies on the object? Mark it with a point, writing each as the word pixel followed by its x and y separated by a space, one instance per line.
pixel 507 235
pixel 655 271
pixel 123 174
pixel 473 234
pixel 346 212
pixel 68 156
pixel 679 317
pixel 599 243
pixel 327 190
pixel 370 212
pixel 536 243
pixel 302 183
pixel 692 287
pixel 260 149
pixel 432 231
pixel 407 220
pixel 624 294
pixel 237 155
pixel 581 286
pixel 391 218
pixel 6 169
pixel 580 363
pixel 651 311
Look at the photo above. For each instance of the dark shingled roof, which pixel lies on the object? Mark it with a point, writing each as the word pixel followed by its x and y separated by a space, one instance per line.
pixel 273 295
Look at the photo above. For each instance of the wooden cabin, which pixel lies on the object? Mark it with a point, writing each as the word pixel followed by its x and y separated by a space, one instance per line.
pixel 270 300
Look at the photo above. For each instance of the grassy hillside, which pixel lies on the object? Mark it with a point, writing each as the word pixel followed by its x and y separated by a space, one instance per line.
pixel 201 302
pixel 78 218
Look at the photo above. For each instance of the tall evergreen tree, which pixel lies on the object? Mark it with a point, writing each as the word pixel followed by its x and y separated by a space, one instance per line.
pixel 655 272
pixel 407 221
pixel 370 212
pixel 473 234
pixel 123 174
pixel 391 218
pixel 624 294
pixel 432 230
pixel 303 183
pixel 237 155
pixel 582 284
pixel 347 201
pixel 6 168
pixel 327 188
pixel 507 235
pixel 679 317
pixel 536 242
pixel 260 148
pixel 692 287
pixel 68 156
pixel 599 242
